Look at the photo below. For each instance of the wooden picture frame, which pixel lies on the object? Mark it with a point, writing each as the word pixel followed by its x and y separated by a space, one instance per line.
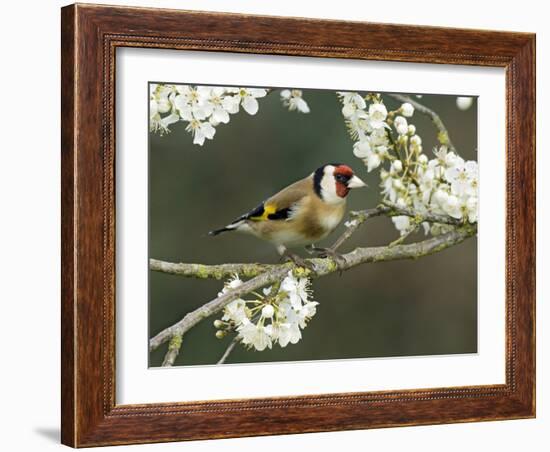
pixel 90 36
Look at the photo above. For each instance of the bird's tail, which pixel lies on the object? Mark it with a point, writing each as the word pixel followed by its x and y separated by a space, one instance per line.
pixel 229 227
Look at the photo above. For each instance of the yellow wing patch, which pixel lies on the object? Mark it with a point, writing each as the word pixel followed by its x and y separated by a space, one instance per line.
pixel 268 210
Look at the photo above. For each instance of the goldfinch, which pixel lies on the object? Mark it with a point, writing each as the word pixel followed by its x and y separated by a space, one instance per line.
pixel 302 213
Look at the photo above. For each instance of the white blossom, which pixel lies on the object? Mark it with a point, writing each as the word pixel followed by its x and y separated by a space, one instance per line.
pixel 463 178
pixel 401 125
pixel 256 335
pixel 275 318
pixel 159 105
pixel 401 203
pixel 351 223
pixel 231 104
pixel 287 332
pixel 471 208
pixel 362 148
pixel 192 101
pixel 368 128
pixel 235 311
pixel 204 108
pixel 294 101
pixel 377 115
pixel 219 106
pixel 444 185
pixel 352 102
pixel 183 108
pixel 451 205
pixel 248 98
pixel 402 223
pixel 296 289
pixel 373 161
pixel 200 131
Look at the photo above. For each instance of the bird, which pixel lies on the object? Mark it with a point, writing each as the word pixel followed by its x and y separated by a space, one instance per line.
pixel 302 213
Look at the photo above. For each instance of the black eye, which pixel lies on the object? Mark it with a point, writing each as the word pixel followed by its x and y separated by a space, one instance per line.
pixel 342 178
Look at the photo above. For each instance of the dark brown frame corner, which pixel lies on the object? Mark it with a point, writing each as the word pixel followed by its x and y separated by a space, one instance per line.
pixel 90 36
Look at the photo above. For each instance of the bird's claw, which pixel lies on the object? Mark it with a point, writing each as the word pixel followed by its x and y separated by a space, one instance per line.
pixel 299 261
pixel 338 258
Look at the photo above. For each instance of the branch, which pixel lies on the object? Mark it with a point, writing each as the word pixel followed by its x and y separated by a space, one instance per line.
pixel 443 135
pixel 268 274
pixel 251 270
pixel 202 271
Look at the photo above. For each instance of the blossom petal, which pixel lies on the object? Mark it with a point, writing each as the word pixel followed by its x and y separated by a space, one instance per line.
pixel 250 105
pixel 257 92
pixel 208 130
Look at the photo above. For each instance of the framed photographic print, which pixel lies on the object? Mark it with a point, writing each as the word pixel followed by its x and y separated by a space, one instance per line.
pixel 281 225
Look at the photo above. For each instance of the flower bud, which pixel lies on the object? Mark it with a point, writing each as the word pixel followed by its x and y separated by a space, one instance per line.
pixel 407 110
pixel 463 103
pixel 268 311
pixel 397 166
pixel 220 334
pixel 412 129
pixel 218 323
pixel 416 140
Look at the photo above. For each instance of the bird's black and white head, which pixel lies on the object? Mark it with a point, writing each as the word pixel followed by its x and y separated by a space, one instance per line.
pixel 333 182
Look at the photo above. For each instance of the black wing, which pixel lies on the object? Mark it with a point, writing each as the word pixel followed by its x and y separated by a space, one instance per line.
pixel 263 212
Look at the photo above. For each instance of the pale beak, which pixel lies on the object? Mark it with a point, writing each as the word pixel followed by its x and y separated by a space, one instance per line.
pixel 355 182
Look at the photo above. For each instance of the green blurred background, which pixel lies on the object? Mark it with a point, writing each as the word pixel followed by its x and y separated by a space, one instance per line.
pixel 401 308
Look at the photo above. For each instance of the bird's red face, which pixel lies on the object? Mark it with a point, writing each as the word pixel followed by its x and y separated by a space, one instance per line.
pixel 345 180
pixel 332 182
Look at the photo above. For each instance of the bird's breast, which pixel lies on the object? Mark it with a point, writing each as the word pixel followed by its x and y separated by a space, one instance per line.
pixel 331 219
pixel 319 219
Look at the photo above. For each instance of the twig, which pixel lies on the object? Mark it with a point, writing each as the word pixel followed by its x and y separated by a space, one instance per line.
pixel 358 219
pixel 443 136
pixel 321 267
pixel 173 351
pixel 403 237
pixel 228 350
